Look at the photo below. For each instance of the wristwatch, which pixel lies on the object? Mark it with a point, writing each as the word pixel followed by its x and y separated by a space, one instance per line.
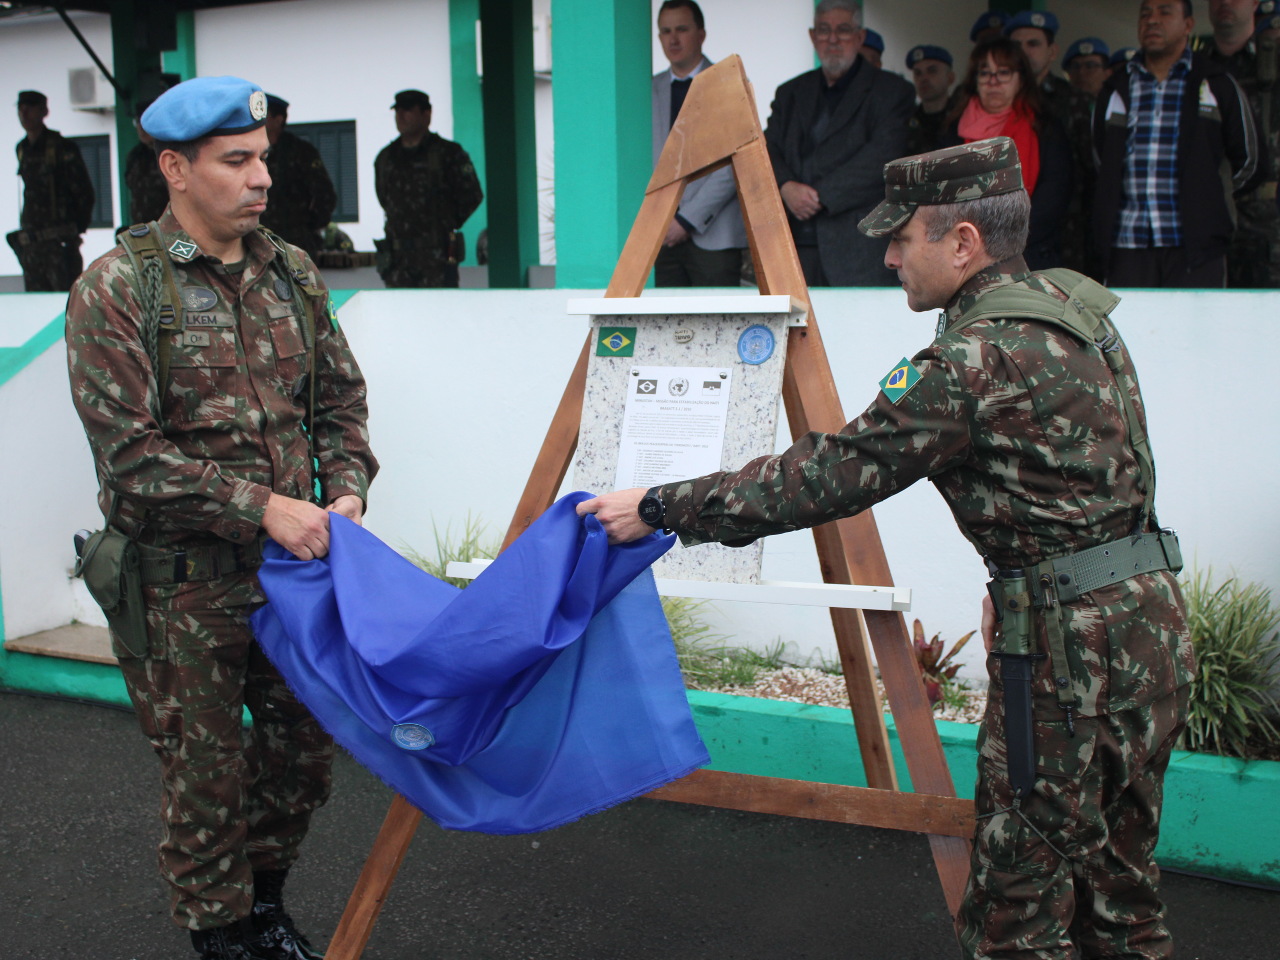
pixel 652 510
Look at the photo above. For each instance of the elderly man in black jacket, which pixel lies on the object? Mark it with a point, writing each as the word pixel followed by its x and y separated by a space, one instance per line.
pixel 830 133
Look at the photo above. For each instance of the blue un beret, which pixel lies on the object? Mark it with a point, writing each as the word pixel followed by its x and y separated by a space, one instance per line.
pixel 874 41
pixel 206 106
pixel 1122 55
pixel 1269 22
pixel 991 20
pixel 926 51
pixel 1087 46
pixel 1040 19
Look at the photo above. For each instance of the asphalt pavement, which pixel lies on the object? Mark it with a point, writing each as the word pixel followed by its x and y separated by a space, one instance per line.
pixel 646 880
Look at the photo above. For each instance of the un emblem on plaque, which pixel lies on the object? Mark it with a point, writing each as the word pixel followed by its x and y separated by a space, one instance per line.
pixel 756 344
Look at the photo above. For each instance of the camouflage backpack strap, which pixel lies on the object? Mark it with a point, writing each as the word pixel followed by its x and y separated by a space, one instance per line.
pixel 291 270
pixel 161 306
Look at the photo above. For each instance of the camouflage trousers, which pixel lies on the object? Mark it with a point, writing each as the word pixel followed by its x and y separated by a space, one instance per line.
pixel 51 266
pixel 233 800
pixel 1072 868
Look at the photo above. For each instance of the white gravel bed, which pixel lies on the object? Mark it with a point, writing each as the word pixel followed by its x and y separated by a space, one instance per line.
pixel 808 685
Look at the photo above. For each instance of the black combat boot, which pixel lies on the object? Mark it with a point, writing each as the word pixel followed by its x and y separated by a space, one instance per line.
pixel 275 936
pixel 226 943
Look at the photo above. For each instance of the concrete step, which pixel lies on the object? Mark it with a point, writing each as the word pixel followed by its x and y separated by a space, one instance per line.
pixel 75 641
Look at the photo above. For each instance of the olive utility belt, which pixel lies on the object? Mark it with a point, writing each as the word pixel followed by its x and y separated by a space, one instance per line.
pixel 1085 570
pixel 197 562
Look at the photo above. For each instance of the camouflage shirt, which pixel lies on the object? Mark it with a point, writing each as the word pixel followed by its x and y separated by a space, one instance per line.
pixel 1021 428
pixel 301 199
pixel 233 409
pixel 148 190
pixel 427 191
pixel 57 189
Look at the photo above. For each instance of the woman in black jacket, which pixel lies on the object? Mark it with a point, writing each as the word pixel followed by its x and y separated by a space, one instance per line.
pixel 1000 98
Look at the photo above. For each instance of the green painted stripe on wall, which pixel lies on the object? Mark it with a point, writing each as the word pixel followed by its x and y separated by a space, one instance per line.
pixel 14 359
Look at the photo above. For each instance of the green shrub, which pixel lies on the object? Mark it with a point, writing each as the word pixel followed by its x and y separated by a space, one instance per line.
pixel 1234 630
pixel 470 545
pixel 705 660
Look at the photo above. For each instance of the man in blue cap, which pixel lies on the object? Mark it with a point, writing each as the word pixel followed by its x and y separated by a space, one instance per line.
pixel 222 406
pixel 1086 64
pixel 932 73
pixel 1036 32
pixel 988 26
pixel 873 49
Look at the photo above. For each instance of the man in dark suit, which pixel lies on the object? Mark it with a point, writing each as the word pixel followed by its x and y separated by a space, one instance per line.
pixel 704 242
pixel 830 133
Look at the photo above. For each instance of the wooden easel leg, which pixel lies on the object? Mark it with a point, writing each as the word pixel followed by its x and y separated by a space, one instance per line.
pixel 375 881
pixel 850 551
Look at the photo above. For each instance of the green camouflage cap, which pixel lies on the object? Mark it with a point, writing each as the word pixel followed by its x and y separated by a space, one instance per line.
pixel 983 168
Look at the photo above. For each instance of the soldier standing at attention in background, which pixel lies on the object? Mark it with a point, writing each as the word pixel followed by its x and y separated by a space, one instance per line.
pixel 1036 32
pixel 57 201
pixel 933 77
pixel 301 200
pixel 1253 259
pixel 1076 740
pixel 205 417
pixel 427 187
pixel 148 191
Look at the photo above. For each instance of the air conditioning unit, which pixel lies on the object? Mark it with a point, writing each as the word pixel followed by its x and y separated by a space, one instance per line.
pixel 90 90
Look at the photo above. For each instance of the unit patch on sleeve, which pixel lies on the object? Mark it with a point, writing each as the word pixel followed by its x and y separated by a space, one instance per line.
pixel 899 381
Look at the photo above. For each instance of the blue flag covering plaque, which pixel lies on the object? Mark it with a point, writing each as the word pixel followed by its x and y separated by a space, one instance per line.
pixel 545 691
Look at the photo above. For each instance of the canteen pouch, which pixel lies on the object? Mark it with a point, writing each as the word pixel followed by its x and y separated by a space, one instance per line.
pixel 108 563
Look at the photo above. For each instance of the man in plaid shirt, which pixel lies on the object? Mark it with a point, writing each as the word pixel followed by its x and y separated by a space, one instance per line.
pixel 1164 130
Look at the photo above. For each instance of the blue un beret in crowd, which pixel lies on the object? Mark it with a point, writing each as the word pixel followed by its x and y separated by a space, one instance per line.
pixel 1123 55
pixel 874 41
pixel 206 106
pixel 991 20
pixel 1269 22
pixel 926 51
pixel 1040 19
pixel 1087 46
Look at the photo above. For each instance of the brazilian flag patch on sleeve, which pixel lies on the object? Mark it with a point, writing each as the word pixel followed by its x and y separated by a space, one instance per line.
pixel 333 315
pixel 899 381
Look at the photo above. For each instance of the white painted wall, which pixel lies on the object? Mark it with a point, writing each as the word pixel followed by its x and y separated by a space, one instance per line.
pixel 464 383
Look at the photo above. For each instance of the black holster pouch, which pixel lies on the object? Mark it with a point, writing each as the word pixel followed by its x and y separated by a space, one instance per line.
pixel 108 562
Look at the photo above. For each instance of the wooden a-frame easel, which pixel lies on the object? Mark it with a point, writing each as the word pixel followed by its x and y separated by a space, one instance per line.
pixel 718 125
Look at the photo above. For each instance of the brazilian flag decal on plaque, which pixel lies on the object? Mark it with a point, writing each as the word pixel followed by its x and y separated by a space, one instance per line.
pixel 899 381
pixel 616 342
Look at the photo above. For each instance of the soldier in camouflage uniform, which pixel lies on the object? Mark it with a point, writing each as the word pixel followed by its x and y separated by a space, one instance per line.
pixel 1033 430
pixel 197 470
pixel 1035 32
pixel 57 201
pixel 933 76
pixel 427 187
pixel 148 191
pixel 1253 259
pixel 301 200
